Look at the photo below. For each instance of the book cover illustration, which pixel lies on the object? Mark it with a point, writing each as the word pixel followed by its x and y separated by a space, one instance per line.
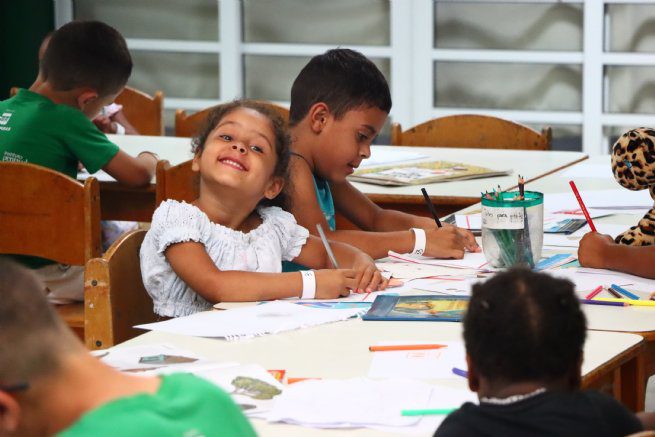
pixel 423 173
pixel 418 308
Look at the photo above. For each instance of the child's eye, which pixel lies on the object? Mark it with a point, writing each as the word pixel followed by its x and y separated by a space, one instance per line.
pixel 361 136
pixel 257 149
pixel 226 137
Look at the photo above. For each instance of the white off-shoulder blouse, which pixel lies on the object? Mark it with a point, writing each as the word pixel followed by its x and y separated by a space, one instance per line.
pixel 279 238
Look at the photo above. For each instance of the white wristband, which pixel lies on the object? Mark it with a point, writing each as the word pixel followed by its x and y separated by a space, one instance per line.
pixel 120 129
pixel 419 241
pixel 308 284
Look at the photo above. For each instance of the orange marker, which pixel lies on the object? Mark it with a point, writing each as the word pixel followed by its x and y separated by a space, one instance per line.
pixel 405 347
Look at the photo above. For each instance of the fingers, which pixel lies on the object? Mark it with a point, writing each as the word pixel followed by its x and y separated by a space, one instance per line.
pixel 469 240
pixel 365 280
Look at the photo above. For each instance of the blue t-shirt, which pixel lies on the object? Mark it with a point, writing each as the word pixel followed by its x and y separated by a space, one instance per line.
pixel 325 202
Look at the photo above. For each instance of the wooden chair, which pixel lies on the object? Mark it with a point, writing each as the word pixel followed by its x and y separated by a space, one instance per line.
pixel 188 125
pixel 48 214
pixel 472 131
pixel 178 182
pixel 114 297
pixel 144 112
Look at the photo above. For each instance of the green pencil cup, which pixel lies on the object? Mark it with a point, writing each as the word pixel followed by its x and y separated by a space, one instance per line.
pixel 513 229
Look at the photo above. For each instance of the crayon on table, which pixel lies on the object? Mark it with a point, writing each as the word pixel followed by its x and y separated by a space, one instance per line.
pixel 603 302
pixel 624 292
pixel 460 372
pixel 433 411
pixel 595 292
pixel 631 302
pixel 405 347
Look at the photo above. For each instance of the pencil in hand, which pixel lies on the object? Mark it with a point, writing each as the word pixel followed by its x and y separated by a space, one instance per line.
pixel 582 206
pixel 430 205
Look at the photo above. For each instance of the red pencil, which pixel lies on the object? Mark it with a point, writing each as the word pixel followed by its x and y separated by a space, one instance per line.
pixel 595 292
pixel 582 207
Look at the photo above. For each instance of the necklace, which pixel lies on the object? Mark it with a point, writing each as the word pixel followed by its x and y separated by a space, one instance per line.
pixel 304 159
pixel 512 399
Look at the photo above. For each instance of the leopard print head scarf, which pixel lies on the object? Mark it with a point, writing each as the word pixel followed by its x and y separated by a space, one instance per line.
pixel 633 165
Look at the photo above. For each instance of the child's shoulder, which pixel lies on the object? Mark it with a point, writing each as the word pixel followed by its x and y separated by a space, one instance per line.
pixel 173 212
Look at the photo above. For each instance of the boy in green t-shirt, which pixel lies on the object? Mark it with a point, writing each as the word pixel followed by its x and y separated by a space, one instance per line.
pixel 85 66
pixel 50 385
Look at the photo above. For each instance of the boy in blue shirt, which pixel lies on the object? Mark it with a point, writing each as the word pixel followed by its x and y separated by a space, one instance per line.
pixel 339 103
pixel 85 66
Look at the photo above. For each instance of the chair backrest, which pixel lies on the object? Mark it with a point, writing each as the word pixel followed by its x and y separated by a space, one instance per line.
pixel 472 131
pixel 144 112
pixel 48 214
pixel 114 296
pixel 188 125
pixel 178 182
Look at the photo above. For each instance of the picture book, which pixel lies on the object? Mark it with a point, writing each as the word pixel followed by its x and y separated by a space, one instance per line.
pixel 417 308
pixel 423 173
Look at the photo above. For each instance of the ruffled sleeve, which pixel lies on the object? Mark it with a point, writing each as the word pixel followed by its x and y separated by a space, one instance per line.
pixel 177 222
pixel 283 225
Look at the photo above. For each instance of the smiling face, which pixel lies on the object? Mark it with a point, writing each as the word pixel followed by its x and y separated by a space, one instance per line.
pixel 239 153
pixel 345 142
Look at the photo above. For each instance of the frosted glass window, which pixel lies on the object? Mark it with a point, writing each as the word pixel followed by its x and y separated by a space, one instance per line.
pixel 165 19
pixel 537 87
pixel 631 28
pixel 192 75
pixel 271 77
pixel 631 89
pixel 508 26
pixel 364 22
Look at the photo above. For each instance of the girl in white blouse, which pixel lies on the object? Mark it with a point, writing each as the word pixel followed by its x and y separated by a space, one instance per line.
pixel 228 245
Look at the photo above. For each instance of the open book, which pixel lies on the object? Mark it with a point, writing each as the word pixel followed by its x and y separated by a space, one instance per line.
pixel 423 173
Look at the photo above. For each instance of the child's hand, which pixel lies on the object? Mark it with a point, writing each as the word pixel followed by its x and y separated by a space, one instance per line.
pixel 593 250
pixel 469 238
pixel 368 278
pixel 105 124
pixel 331 284
pixel 448 242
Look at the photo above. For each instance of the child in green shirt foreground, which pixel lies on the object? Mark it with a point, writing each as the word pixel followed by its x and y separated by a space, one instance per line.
pixel 51 385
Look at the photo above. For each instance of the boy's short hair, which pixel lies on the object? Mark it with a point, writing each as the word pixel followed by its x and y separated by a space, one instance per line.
pixel 524 326
pixel 343 79
pixel 87 54
pixel 32 335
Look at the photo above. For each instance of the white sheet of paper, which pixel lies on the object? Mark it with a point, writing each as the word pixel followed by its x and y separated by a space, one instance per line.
pixel 420 364
pixel 357 402
pixel 449 286
pixel 588 170
pixel 469 221
pixel 386 155
pixel 471 260
pixel 612 200
pixel 586 280
pixel 101 175
pixel 127 358
pixel 406 271
pixel 268 318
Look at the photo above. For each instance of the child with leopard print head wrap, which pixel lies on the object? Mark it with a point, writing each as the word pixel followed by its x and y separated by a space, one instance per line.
pixel 633 251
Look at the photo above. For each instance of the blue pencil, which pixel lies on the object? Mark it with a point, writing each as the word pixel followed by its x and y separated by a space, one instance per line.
pixel 625 292
pixel 460 372
pixel 603 302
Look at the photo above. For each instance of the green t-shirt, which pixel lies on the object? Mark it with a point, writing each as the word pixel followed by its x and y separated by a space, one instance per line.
pixel 34 129
pixel 184 406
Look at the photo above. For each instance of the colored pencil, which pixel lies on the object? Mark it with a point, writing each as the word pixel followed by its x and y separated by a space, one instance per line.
pixel 430 205
pixel 603 302
pixel 624 292
pixel 405 347
pixel 614 293
pixel 582 206
pixel 328 249
pixel 595 292
pixel 631 302
pixel 460 372
pixel 440 411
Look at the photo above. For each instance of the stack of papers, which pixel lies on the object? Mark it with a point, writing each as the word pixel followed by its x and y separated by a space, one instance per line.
pixel 385 155
pixel 268 318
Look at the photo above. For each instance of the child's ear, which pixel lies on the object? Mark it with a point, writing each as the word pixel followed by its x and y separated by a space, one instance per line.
pixel 9 413
pixel 472 375
pixel 86 97
pixel 318 115
pixel 274 187
pixel 195 163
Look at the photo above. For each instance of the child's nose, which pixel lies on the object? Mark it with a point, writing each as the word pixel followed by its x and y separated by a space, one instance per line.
pixel 365 151
pixel 239 147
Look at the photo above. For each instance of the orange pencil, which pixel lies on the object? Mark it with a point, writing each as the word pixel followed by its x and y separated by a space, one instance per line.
pixel 405 347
